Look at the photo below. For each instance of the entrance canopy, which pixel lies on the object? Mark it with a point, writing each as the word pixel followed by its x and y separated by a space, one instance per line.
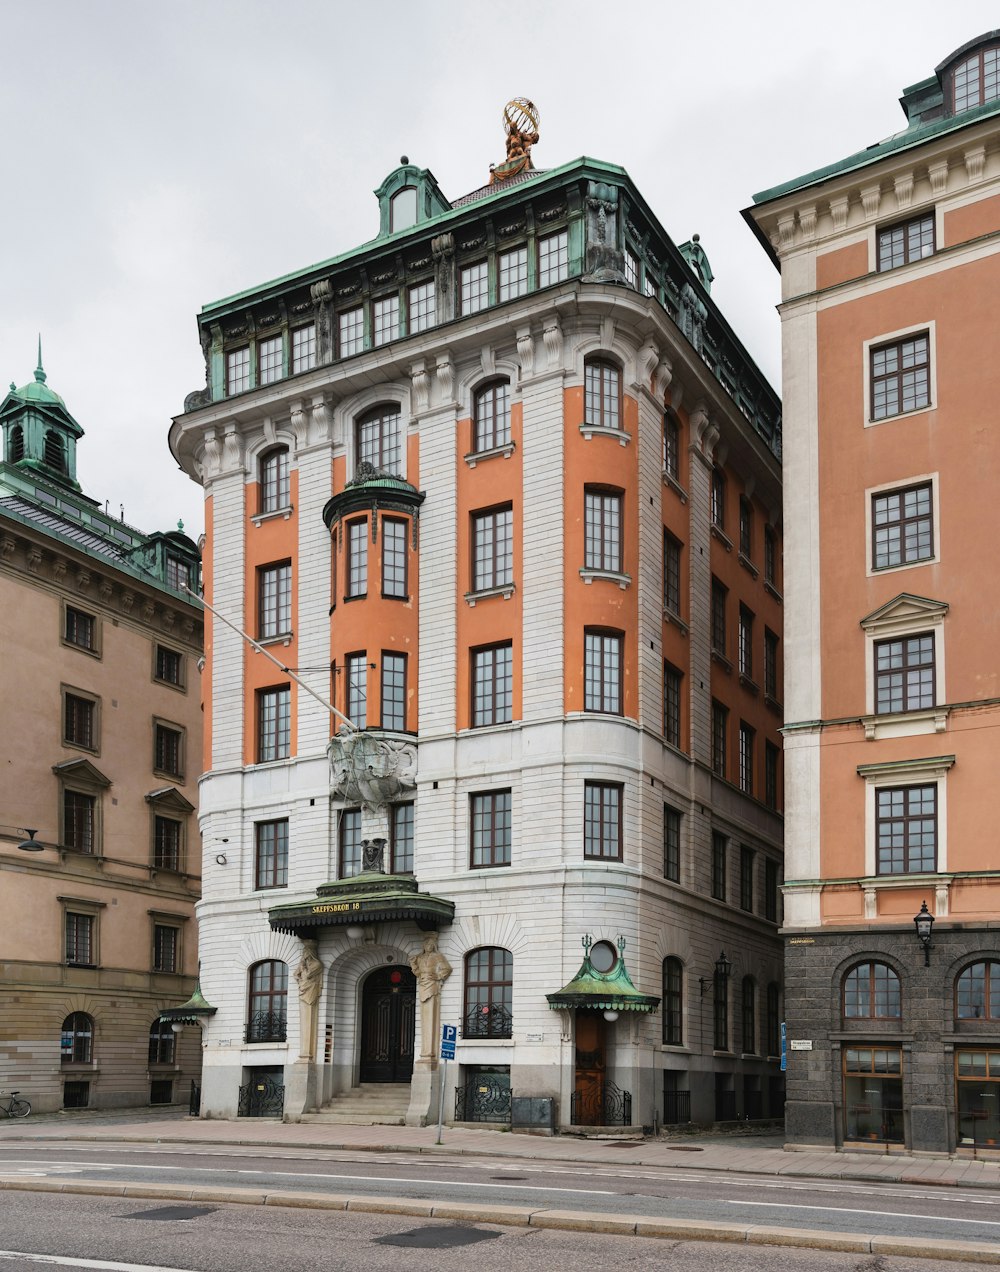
pixel 610 990
pixel 371 897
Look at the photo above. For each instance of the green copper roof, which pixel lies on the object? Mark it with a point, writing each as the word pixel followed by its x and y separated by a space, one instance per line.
pixel 603 991
pixel 189 1012
pixel 371 897
pixel 37 390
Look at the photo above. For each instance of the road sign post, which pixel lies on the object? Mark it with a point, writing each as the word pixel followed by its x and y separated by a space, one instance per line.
pixel 448 1035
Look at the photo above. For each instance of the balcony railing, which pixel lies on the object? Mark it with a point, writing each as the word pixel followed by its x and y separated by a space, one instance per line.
pixel 266 1026
pixel 676 1107
pixel 487 1020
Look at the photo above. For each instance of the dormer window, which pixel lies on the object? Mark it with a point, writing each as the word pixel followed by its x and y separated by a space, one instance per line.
pixel 976 80
pixel 403 209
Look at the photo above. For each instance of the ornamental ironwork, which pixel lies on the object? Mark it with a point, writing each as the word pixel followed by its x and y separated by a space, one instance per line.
pixel 484 1098
pixel 261 1097
pixel 487 1020
pixel 601 1104
pixel 266 1026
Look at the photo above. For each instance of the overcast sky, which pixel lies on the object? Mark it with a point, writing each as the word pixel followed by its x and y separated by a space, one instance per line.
pixel 162 155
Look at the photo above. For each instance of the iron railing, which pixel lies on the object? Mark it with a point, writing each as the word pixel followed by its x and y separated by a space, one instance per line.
pixel 194 1100
pixel 261 1097
pixel 597 1105
pixel 676 1107
pixel 266 1026
pixel 487 1020
pixel 484 1098
pixel 725 1106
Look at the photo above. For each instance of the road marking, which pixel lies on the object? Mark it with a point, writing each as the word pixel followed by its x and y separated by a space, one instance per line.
pixel 882 1214
pixel 64 1261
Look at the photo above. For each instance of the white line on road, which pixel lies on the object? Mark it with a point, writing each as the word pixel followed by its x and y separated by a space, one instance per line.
pixel 883 1214
pixel 64 1261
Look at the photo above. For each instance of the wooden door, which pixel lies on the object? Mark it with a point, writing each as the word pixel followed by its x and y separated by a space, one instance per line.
pixel 388 1019
pixel 588 1092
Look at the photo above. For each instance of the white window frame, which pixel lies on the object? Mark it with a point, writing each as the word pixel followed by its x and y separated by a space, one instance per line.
pixel 893 337
pixel 905 616
pixel 905 483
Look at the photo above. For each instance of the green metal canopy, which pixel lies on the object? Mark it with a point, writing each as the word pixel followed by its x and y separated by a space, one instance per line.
pixel 603 991
pixel 372 897
pixel 189 1013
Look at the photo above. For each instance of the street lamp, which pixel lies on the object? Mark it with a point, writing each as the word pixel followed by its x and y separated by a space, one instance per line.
pixel 722 969
pixel 31 844
pixel 924 923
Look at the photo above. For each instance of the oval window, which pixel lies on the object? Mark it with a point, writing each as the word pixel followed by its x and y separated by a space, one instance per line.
pixel 603 956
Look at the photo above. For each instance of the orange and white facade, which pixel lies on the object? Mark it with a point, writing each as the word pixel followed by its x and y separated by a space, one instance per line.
pixel 503 488
pixel 890 265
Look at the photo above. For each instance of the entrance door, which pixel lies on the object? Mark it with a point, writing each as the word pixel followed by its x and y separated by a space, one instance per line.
pixel 388 1017
pixel 588 1093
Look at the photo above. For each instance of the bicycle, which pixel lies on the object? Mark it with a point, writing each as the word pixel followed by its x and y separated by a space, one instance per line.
pixel 13 1106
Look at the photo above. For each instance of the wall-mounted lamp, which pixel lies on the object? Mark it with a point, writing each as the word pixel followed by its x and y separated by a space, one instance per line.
pixel 924 923
pixel 610 1014
pixel 723 967
pixel 177 1026
pixel 31 844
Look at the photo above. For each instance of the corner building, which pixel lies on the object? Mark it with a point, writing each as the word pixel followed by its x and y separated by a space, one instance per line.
pixel 504 487
pixel 890 266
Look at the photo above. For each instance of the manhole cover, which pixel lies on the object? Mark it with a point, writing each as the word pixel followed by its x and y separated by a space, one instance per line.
pixel 436 1238
pixel 173 1212
pixel 683 1148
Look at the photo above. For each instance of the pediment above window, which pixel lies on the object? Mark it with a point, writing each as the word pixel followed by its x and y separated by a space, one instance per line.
pixel 167 799
pixel 81 772
pixel 905 611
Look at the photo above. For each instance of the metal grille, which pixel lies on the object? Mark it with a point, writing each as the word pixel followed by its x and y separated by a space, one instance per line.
pixel 601 1105
pixel 484 1098
pixel 261 1097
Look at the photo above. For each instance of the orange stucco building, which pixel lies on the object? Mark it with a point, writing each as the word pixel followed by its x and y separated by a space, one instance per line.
pixel 890 264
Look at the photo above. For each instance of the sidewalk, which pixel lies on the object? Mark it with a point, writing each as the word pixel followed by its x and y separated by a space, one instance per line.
pixel 742 1154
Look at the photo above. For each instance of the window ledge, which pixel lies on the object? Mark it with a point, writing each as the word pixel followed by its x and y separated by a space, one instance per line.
pixel 675 486
pixel 285 638
pixel 258 518
pixel 670 617
pixel 486 1042
pixel 772 591
pixel 921 879
pixel 588 576
pixel 898 724
pixel 722 660
pixel 749 684
pixel 495 452
pixel 748 565
pixel 771 702
pixel 507 591
pixel 720 534
pixel 590 431
pixel 924 407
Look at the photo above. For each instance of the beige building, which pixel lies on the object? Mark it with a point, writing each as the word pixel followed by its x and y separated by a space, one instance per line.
pixel 99 844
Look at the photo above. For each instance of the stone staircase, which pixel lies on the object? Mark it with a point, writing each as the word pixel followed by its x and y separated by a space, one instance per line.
pixel 370 1104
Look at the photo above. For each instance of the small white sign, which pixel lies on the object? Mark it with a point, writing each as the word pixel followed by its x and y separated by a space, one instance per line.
pixel 535 1037
pixel 801 1044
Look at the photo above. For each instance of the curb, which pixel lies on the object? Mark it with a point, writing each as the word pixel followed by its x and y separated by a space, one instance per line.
pixel 529 1217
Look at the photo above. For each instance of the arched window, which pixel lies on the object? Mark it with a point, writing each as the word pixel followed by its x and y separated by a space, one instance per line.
pixel 379 439
pixel 976 79
pixel 268 1016
pixel 492 416
pixel 871 992
pixel 403 209
pixel 773 1022
pixel 489 977
pixel 161 1042
pixel 15 444
pixel 275 490
pixel 673 1002
pixel 749 1003
pixel 602 393
pixel 55 454
pixel 77 1043
pixel 977 992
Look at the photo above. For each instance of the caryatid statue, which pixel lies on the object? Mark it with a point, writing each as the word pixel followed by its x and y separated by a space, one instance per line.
pixel 431 969
pixel 309 975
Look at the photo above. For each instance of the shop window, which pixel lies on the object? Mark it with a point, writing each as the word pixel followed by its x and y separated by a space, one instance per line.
pixel 873 1094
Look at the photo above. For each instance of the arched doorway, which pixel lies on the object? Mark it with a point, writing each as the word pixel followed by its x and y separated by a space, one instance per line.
pixel 388 1018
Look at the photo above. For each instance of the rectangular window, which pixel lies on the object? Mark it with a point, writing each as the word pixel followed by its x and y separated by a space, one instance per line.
pixel 492 685
pixel 671 844
pixel 873 1093
pixel 673 1033
pixel 672 680
pixel 80 939
pixel 357 558
pixel 79 821
pixel 379 439
pixel 904 674
pixel 902 527
pixel 357 689
pixel 393 558
pixel 475 286
pixel 269 360
pixel 720 594
pixel 771 665
pixel 746 878
pixel 166 843
pixel 303 348
pixel 271 854
pixel 631 269
pixel 164 948
pixel 671 573
pixel 275 485
pixel 602 662
pixel 393 691
pixel 603 531
pixel 909 241
pixel 720 721
pixel 671 446
pixel 422 304
pixel 178 574
pixel 168 748
pixel 746 527
pixel 718 499
pixel 771 754
pixel 491 822
pixel 386 319
pixel 513 273
pixel 553 259
pixel 770 557
pixel 493 416
pixel 771 876
pixel 238 370
pixel 493 548
pixel 720 1022
pixel 746 642
pixel 719 849
pixel 749 1031
pixel 900 376
pixel 274 600
pixel 169 666
pixel 351 331
pixel 81 629
pixel 350 843
pixel 602 394
pixel 401 832
pixel 79 721
pixel 747 739
pixel 602 821
pixel 906 829
pixel 274 724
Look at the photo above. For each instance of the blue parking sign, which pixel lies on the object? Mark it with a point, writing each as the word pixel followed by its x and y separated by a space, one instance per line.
pixel 448 1035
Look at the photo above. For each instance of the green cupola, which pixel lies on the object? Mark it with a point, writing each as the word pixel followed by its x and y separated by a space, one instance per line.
pixel 38 431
